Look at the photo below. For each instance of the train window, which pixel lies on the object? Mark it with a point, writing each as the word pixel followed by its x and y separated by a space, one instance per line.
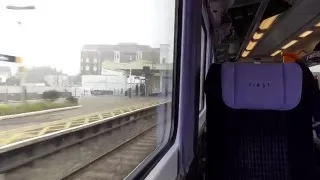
pixel 202 67
pixel 73 103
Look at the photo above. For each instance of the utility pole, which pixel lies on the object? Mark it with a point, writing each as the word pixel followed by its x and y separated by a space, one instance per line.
pixel 147 72
pixel 130 74
pixel 19 59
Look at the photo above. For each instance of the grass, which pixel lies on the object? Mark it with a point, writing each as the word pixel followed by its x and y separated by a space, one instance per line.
pixel 31 107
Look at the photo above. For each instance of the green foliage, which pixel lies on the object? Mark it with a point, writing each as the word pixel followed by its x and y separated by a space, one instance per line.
pixel 51 95
pixel 12 81
pixel 23 108
pixel 72 100
pixel 37 74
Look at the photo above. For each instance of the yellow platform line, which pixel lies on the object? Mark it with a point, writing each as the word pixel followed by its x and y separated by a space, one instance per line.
pixel 58 126
pixel 43 131
pixel 55 122
pixel 68 124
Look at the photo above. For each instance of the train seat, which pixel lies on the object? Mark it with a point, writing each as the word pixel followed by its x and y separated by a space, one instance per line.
pixel 259 122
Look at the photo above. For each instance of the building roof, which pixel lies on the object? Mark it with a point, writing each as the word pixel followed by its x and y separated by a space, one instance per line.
pixel 117 47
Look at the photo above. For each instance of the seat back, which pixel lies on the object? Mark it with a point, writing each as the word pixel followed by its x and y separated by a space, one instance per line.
pixel 259 121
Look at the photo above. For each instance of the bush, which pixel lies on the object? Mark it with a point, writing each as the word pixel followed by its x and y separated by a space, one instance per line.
pixel 51 95
pixel 72 100
pixel 101 92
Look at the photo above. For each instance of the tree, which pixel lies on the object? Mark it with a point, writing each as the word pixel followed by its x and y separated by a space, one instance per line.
pixel 51 95
pixel 12 81
pixel 37 74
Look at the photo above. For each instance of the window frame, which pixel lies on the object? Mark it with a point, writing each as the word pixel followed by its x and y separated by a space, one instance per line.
pixel 147 165
pixel 210 56
pixel 203 66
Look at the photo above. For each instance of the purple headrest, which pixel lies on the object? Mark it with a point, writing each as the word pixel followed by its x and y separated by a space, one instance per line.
pixel 261 86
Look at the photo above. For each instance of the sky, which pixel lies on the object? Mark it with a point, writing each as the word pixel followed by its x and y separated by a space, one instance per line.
pixel 53 33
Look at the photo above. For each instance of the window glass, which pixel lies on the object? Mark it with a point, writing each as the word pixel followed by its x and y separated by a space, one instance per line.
pixel 84 92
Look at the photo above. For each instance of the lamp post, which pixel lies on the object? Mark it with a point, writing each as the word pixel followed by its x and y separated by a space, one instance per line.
pixel 130 85
pixel 21 68
pixel 12 7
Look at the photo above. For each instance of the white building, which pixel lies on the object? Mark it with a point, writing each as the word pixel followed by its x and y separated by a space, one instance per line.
pixel 5 73
pixel 56 80
pixel 104 82
pixel 108 72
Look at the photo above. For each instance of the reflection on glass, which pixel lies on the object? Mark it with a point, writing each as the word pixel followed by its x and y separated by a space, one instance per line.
pixel 202 68
pixel 98 69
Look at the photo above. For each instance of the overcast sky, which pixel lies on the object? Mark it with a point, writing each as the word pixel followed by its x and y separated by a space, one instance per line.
pixel 54 33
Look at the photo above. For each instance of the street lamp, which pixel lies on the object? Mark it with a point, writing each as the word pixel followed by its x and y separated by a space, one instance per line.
pixel 130 71
pixel 21 7
pixel 21 69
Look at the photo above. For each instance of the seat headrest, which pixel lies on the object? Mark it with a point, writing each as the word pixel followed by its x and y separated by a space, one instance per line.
pixel 261 86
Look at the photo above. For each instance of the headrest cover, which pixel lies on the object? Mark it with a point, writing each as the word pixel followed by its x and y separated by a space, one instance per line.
pixel 261 86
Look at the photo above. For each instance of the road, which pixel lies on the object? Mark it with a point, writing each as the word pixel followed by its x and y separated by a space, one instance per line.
pixel 89 105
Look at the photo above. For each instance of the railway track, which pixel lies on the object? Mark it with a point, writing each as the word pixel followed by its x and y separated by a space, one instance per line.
pixel 122 141
pixel 120 161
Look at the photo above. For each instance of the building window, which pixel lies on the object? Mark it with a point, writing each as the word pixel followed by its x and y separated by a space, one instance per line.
pixel 95 68
pixel 95 60
pixel 87 60
pixel 87 68
pixel 81 68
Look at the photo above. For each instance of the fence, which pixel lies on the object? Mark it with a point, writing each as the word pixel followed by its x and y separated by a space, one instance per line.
pixel 35 92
